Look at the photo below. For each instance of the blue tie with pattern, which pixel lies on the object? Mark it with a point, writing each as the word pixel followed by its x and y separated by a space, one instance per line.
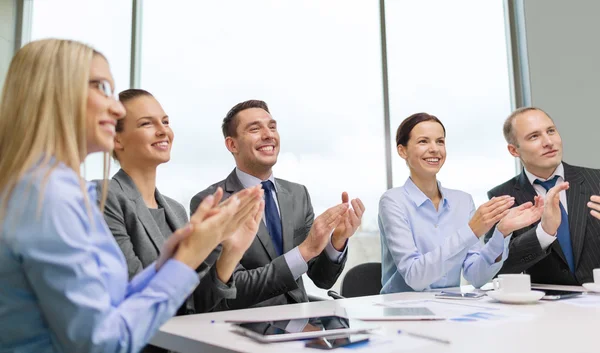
pixel 272 216
pixel 563 234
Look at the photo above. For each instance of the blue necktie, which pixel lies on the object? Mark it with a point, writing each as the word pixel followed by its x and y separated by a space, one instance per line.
pixel 563 234
pixel 272 216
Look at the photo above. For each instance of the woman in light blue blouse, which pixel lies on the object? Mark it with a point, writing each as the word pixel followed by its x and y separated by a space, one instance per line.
pixel 430 233
pixel 63 279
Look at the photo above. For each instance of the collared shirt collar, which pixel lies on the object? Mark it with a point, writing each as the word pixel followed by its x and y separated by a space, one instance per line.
pixel 418 197
pixel 249 181
pixel 560 171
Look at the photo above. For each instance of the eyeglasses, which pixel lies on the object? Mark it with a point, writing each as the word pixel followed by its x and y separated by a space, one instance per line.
pixel 104 86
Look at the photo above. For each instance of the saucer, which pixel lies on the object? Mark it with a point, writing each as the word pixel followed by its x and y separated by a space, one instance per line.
pixel 592 287
pixel 516 298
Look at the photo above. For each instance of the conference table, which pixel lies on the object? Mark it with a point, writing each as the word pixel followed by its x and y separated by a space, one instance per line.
pixel 546 326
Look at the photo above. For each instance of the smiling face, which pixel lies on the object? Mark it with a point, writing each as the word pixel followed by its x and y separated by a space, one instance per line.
pixel 103 110
pixel 146 137
pixel 425 151
pixel 256 144
pixel 538 143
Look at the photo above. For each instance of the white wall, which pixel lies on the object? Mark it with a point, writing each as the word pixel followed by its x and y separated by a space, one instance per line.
pixel 8 15
pixel 563 55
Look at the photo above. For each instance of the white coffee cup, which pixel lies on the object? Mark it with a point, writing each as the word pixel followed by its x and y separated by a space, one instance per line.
pixel 514 283
pixel 597 275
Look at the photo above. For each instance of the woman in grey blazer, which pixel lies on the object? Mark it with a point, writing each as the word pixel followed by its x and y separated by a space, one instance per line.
pixel 141 218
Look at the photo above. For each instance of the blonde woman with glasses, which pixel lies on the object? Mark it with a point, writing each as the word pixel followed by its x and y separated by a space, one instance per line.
pixel 63 279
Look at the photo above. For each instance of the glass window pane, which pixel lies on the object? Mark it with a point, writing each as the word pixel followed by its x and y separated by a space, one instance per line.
pixel 105 25
pixel 449 59
pixel 317 65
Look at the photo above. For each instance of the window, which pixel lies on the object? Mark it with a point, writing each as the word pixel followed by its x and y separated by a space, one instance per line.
pixel 317 67
pixel 105 25
pixel 445 61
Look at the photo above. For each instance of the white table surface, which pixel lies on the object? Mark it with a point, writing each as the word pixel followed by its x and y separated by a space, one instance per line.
pixel 553 327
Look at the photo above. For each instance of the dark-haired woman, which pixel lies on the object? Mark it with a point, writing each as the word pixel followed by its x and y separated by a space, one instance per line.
pixel 430 233
pixel 141 218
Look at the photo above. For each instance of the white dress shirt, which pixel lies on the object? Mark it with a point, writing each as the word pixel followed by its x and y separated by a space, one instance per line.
pixel 544 238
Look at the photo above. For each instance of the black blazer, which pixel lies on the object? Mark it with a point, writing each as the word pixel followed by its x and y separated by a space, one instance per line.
pixel 525 253
pixel 262 278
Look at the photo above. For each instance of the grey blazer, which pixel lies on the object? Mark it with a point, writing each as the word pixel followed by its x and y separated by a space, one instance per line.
pixel 141 240
pixel 549 266
pixel 262 278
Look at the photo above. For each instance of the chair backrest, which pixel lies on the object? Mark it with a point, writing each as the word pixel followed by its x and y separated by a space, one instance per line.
pixel 361 280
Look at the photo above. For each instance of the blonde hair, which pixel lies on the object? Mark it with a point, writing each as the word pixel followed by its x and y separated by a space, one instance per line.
pixel 43 113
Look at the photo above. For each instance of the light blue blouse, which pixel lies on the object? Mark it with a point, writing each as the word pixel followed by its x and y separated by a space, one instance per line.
pixel 63 278
pixel 424 248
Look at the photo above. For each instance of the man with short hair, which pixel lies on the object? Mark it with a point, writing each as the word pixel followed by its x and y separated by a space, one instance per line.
pixel 564 246
pixel 290 241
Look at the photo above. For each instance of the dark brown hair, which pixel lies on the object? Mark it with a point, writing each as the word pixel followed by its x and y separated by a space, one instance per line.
pixel 507 129
pixel 405 128
pixel 124 97
pixel 230 122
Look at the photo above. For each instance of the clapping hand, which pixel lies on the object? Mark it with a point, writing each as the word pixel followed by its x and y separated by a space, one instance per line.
pixel 207 228
pixel 321 230
pixel 594 204
pixel 551 217
pixel 490 213
pixel 349 224
pixel 521 216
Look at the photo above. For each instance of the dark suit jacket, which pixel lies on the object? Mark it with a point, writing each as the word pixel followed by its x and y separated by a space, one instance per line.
pixel 525 253
pixel 140 239
pixel 262 278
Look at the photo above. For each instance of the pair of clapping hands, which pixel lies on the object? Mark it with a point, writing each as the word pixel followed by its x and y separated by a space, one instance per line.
pixel 498 210
pixel 235 221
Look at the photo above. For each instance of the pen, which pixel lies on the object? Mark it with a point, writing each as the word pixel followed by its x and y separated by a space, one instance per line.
pixel 418 335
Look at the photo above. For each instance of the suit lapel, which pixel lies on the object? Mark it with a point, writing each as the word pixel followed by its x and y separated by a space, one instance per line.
pixel 141 210
pixel 524 192
pixel 265 239
pixel 174 221
pixel 286 208
pixel 577 196
pixel 149 223
pixel 233 185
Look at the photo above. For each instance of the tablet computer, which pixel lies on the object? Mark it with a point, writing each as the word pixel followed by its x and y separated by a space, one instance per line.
pixel 553 294
pixel 333 342
pixel 297 329
pixel 459 295
pixel 382 313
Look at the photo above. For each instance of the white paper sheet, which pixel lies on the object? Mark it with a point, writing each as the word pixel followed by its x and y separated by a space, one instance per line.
pixel 587 300
pixel 476 311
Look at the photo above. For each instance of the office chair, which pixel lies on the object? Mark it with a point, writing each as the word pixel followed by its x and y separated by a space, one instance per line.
pixel 361 280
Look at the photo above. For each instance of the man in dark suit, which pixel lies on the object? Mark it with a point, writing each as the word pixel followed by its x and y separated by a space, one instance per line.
pixel 564 246
pixel 290 241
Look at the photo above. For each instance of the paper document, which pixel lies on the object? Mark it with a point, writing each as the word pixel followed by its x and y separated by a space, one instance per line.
pixel 460 311
pixel 587 300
